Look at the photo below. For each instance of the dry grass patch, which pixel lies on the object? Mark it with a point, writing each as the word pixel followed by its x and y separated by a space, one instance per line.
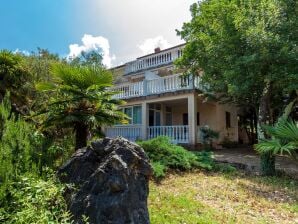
pixel 200 197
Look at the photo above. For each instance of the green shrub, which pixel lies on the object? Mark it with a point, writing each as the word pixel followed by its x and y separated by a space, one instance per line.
pixel 224 168
pixel 159 169
pixel 165 155
pixel 15 146
pixel 205 159
pixel 207 136
pixel 34 200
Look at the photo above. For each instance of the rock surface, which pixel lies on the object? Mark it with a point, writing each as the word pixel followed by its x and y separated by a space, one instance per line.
pixel 111 181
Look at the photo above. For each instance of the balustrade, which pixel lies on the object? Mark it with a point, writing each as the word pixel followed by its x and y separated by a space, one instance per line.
pixel 132 133
pixel 153 60
pixel 177 134
pixel 155 86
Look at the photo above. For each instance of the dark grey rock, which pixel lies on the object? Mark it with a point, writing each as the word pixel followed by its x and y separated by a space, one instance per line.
pixel 111 180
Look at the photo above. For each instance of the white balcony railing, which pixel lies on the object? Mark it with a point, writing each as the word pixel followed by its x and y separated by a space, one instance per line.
pixel 132 133
pixel 168 84
pixel 129 90
pixel 154 60
pixel 178 134
pixel 156 86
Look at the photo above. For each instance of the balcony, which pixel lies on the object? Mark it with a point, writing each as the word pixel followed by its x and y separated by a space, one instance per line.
pixel 154 60
pixel 176 133
pixel 165 84
pixel 132 133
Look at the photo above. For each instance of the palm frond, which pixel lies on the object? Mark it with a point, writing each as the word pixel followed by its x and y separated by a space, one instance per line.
pixel 275 146
pixel 284 128
pixel 45 86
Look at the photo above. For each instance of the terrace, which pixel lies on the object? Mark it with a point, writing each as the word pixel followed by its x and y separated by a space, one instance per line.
pixel 157 59
pixel 160 85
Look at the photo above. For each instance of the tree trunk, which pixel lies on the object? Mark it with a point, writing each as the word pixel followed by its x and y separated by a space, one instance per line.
pixel 81 131
pixel 255 125
pixel 264 118
pixel 251 126
pixel 268 164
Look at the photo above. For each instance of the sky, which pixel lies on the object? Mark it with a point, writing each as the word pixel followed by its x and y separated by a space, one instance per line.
pixel 120 29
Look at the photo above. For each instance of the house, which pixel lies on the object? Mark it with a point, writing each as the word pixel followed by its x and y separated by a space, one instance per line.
pixel 162 102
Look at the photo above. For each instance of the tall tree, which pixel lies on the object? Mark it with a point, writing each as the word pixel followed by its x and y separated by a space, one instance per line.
pixel 81 101
pixel 90 58
pixel 14 78
pixel 39 63
pixel 248 52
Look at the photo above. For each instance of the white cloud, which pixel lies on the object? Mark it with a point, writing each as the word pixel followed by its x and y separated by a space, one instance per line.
pixel 24 52
pixel 148 45
pixel 91 43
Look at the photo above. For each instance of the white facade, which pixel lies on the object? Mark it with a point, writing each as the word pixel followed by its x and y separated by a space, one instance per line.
pixel 160 101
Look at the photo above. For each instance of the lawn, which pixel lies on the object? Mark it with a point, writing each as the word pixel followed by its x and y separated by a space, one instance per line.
pixel 199 197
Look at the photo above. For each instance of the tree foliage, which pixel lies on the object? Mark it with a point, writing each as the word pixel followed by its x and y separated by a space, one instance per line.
pixel 240 45
pixel 16 146
pixel 248 52
pixel 91 58
pixel 283 136
pixel 15 78
pixel 81 101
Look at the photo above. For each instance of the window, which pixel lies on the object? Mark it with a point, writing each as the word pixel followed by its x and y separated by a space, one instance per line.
pixel 135 113
pixel 185 119
pixel 198 118
pixel 168 119
pixel 168 116
pixel 168 109
pixel 128 112
pixel 228 119
pixel 154 114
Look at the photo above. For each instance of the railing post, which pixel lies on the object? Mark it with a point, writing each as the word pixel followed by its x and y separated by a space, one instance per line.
pixel 145 87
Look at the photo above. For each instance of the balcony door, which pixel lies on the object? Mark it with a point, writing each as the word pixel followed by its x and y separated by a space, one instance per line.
pixel 154 114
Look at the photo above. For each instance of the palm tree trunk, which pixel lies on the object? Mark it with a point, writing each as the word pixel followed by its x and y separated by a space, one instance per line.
pixel 81 131
pixel 267 159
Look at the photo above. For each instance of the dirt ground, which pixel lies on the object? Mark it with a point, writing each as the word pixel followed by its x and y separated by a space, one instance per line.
pixel 248 160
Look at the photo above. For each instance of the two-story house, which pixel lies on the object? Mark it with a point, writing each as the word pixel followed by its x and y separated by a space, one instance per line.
pixel 162 102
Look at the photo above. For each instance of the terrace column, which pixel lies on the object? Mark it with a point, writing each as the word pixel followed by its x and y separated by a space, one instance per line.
pixel 145 120
pixel 192 118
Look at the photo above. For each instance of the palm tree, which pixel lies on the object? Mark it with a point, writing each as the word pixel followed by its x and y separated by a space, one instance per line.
pixel 81 100
pixel 284 139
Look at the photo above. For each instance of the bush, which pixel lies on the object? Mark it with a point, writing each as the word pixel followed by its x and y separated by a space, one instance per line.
pixel 15 146
pixel 208 135
pixel 24 153
pixel 34 200
pixel 224 168
pixel 159 169
pixel 164 155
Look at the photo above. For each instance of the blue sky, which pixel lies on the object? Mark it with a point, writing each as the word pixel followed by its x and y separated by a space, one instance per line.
pixel 125 29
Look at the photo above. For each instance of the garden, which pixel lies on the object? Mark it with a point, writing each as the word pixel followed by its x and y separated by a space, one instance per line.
pixel 51 107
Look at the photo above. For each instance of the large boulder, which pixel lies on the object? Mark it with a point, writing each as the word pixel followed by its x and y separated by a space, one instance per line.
pixel 111 182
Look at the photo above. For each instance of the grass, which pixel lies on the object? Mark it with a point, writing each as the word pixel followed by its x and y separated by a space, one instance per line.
pixel 200 197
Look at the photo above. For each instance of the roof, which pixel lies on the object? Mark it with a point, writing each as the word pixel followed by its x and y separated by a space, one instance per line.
pixel 179 45
pixel 161 51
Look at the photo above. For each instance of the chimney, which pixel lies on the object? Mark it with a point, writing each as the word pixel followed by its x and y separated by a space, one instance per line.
pixel 157 50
